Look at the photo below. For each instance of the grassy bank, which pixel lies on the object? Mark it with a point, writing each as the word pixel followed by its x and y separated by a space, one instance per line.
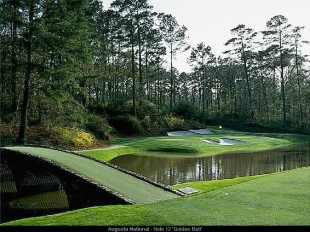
pixel 273 199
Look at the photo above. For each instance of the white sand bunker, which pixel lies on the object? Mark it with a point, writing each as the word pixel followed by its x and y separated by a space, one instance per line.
pixel 190 132
pixel 202 131
pixel 180 133
pixel 224 141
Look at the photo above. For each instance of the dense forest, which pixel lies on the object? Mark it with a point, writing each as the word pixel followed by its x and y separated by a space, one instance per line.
pixel 74 74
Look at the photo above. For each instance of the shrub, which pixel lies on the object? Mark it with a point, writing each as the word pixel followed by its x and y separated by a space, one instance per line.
pixel 146 108
pixel 171 123
pixel 184 110
pixel 147 123
pixel 83 139
pixel 126 124
pixel 143 107
pixel 72 137
pixel 56 109
pixel 175 123
pixel 152 127
pixel 98 126
pixel 193 124
pixel 117 108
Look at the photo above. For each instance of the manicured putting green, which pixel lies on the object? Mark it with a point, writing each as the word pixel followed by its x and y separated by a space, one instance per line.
pixel 129 186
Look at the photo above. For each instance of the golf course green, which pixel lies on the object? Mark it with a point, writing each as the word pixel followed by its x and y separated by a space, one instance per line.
pixel 195 145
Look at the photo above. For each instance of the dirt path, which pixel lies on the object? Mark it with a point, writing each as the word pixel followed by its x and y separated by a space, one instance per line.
pixel 127 185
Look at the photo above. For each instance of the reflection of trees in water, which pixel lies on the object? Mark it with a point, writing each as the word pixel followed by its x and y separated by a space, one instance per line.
pixel 31 186
pixel 170 171
pixel 49 200
pixel 7 180
pixel 39 182
pixel 35 193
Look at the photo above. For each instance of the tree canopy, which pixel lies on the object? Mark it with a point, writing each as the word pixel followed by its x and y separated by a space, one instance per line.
pixel 64 61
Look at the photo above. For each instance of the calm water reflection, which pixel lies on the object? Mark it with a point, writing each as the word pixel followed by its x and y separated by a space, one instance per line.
pixel 170 171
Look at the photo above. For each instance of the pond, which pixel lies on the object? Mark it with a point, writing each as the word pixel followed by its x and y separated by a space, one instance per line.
pixel 169 170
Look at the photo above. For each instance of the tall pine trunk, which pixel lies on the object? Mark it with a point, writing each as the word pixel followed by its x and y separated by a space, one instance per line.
pixel 14 68
pixel 134 108
pixel 282 87
pixel 24 109
pixel 171 78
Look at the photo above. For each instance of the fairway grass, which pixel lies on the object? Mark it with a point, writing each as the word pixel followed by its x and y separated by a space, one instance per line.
pixel 272 199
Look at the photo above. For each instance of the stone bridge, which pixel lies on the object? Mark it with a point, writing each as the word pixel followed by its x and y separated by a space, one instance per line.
pixel 82 181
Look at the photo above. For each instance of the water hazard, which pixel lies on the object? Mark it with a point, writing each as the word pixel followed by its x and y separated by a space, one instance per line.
pixel 172 170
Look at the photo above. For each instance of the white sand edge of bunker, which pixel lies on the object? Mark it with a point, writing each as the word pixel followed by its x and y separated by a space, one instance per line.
pixel 190 132
pixel 225 141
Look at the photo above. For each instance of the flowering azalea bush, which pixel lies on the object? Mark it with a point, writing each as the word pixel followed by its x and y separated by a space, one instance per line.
pixel 66 136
